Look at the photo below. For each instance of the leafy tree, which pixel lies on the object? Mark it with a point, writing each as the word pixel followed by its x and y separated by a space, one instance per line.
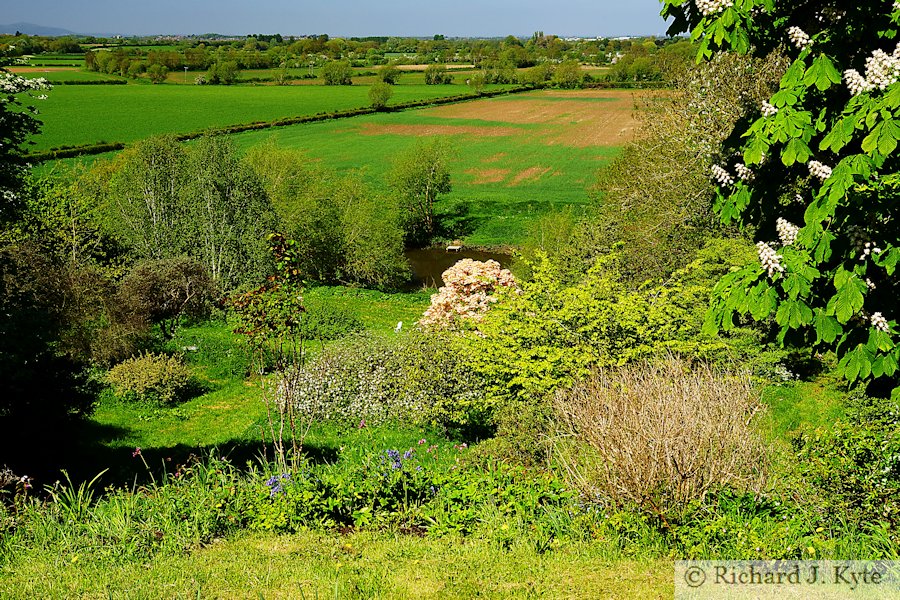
pixel 568 75
pixel 436 74
pixel 418 177
pixel 817 165
pixel 162 291
pixel 17 123
pixel 477 81
pixel 379 94
pixel 389 73
pixel 337 72
pixel 222 72
pixel 157 73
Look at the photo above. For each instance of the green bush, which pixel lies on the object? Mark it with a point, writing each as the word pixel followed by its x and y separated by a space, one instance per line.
pixel 854 466
pixel 327 321
pixel 413 377
pixel 152 378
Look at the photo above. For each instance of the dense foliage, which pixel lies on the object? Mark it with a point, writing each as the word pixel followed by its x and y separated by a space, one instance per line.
pixel 815 164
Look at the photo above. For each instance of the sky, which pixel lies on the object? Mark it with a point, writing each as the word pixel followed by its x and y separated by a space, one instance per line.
pixel 475 18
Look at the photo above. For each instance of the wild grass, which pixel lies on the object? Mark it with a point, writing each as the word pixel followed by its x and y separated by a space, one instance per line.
pixel 73 74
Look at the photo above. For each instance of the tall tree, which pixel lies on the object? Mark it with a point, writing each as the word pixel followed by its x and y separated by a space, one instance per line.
pixel 418 177
pixel 815 165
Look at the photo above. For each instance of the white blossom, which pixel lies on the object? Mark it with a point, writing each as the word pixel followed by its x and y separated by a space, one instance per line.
pixel 768 110
pixel 856 83
pixel 817 169
pixel 771 260
pixel 798 37
pixel 787 231
pixel 721 175
pixel 712 7
pixel 744 172
pixel 879 322
pixel 868 249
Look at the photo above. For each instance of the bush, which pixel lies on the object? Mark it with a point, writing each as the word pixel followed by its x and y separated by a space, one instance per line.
pixel 854 466
pixel 415 378
pixel 163 291
pixel 151 378
pixel 327 321
pixel 467 292
pixel 379 94
pixel 337 72
pixel 437 75
pixel 659 435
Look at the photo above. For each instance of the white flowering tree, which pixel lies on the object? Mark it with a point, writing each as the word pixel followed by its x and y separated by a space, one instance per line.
pixel 17 122
pixel 814 172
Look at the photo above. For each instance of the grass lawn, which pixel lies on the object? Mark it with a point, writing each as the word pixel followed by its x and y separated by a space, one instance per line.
pixel 362 565
pixel 75 115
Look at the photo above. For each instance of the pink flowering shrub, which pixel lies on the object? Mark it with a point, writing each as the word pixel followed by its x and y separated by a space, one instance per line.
pixel 467 293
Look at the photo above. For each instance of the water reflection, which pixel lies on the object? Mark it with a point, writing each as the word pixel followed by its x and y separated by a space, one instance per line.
pixel 428 264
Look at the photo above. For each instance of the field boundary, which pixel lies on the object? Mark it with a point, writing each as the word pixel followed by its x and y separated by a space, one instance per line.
pixel 103 146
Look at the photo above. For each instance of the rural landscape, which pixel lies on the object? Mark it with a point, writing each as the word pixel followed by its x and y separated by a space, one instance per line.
pixel 534 316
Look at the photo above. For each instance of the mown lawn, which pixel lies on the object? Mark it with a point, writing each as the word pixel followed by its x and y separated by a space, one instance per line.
pixel 75 115
pixel 361 565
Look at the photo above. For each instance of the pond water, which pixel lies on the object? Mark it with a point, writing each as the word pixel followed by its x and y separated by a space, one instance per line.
pixel 428 264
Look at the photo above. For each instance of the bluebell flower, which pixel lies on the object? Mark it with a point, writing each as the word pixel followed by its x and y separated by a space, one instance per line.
pixel 408 454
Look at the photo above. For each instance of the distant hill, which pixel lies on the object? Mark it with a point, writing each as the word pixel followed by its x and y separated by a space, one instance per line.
pixel 32 29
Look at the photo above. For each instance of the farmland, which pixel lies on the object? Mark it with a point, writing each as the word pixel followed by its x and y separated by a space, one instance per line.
pixel 517 157
pixel 76 115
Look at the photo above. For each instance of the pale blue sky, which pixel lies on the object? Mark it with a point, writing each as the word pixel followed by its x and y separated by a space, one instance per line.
pixel 343 17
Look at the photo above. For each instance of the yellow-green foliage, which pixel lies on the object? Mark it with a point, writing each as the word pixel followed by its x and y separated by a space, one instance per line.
pixel 548 334
pixel 150 377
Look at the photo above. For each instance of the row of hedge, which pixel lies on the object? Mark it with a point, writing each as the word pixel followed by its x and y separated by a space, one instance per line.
pixel 101 147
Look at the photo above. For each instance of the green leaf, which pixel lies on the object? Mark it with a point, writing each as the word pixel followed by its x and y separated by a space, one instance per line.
pixel 827 327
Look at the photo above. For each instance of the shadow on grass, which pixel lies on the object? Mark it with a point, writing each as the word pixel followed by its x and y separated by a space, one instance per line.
pixel 82 448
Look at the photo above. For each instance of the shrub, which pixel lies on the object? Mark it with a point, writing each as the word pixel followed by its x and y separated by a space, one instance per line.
pixel 379 94
pixel 152 378
pixel 327 321
pixel 337 72
pixel 659 435
pixel 467 292
pixel 163 291
pixel 854 466
pixel 437 75
pixel 415 377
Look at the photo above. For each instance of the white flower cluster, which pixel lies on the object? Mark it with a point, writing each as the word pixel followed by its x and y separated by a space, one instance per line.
pixel 868 249
pixel 467 293
pixel 712 7
pixel 771 260
pixel 744 172
pixel 721 175
pixel 787 231
pixel 870 284
pixel 798 198
pixel 897 5
pixel 819 170
pixel 15 84
pixel 882 70
pixel 798 37
pixel 880 323
pixel 768 110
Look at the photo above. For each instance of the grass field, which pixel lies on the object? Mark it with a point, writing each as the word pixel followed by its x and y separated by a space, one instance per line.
pixel 362 565
pixel 517 157
pixel 55 74
pixel 75 115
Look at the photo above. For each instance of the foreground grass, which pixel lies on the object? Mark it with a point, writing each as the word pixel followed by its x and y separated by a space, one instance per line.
pixel 363 565
pixel 75 115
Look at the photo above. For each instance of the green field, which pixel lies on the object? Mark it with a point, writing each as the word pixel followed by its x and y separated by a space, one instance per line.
pixel 73 74
pixel 507 172
pixel 76 115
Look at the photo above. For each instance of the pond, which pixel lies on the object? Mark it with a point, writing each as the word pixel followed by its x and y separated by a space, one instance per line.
pixel 427 264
